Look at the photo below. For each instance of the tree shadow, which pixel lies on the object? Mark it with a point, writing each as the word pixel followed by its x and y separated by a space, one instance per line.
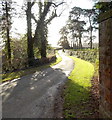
pixel 22 98
pixel 78 102
pixel 38 95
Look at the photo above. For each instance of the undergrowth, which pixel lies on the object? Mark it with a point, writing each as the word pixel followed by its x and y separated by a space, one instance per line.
pixel 18 74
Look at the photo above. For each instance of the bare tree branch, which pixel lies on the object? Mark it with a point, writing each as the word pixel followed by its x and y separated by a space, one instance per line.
pixel 60 13
pixel 33 3
pixel 54 14
pixel 32 15
pixel 52 17
pixel 57 4
pixel 41 19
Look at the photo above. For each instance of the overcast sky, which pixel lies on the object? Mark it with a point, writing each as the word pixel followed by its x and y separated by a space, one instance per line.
pixel 57 23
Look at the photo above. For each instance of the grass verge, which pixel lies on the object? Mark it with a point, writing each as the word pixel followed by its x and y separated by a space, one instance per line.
pixel 13 75
pixel 77 90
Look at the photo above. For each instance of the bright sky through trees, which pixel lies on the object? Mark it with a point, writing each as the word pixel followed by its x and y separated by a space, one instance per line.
pixel 57 23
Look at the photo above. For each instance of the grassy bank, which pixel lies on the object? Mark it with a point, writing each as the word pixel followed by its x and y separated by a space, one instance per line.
pixel 17 74
pixel 77 90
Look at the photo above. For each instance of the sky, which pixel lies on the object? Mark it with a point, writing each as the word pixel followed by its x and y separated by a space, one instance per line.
pixel 57 23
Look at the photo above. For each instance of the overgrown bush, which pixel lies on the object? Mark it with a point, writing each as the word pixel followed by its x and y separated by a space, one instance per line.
pixel 18 56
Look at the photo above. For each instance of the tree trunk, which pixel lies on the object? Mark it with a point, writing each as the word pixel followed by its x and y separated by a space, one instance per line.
pixel 80 36
pixel 80 43
pixel 43 41
pixel 91 40
pixel 8 37
pixel 43 48
pixel 30 52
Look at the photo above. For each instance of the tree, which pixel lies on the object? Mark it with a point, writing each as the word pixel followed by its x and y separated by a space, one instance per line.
pixel 64 31
pixel 91 14
pixel 77 29
pixel 103 6
pixel 6 26
pixel 64 42
pixel 64 37
pixel 41 29
pixel 29 34
pixel 75 13
pixel 76 24
pixel 41 24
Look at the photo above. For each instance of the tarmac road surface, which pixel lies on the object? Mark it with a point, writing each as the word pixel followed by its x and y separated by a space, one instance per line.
pixel 33 96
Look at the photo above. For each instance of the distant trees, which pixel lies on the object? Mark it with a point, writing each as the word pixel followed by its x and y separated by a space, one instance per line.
pixel 91 14
pixel 64 42
pixel 77 29
pixel 64 38
pixel 76 25
pixel 81 21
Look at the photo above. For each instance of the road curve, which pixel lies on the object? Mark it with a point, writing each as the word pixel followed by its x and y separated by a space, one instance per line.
pixel 33 96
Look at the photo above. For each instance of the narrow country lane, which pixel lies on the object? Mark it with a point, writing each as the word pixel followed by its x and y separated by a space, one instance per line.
pixel 33 96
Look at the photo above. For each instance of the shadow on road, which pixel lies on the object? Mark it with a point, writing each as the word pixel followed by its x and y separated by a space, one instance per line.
pixel 30 96
pixel 38 96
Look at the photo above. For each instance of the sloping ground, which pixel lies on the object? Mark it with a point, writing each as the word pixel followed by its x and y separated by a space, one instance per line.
pixel 78 100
